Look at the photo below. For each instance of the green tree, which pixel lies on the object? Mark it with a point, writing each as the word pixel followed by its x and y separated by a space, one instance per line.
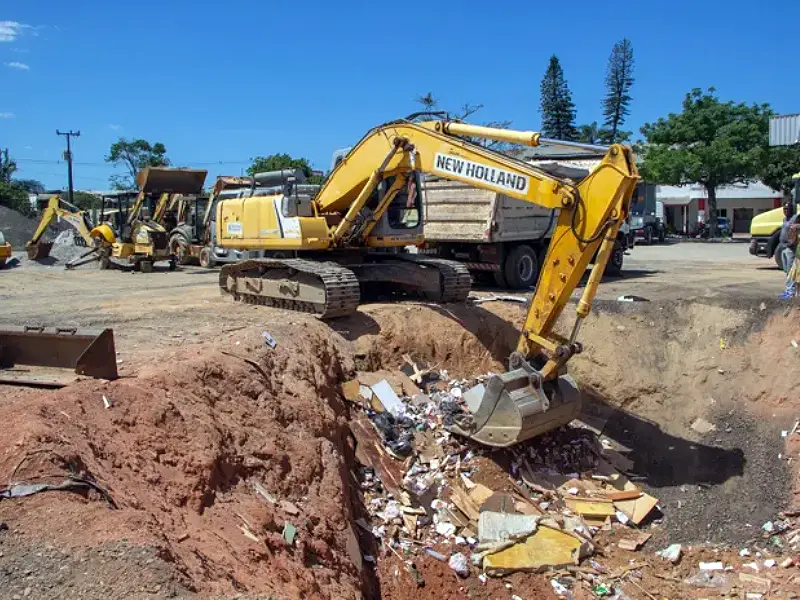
pixel 15 198
pixel 592 134
pixel 86 201
pixel 133 156
pixel 778 166
pixel 619 80
pixel 709 142
pixel 31 186
pixel 275 162
pixel 7 166
pixel 557 108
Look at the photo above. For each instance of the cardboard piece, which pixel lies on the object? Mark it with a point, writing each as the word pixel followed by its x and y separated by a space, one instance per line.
pixel 545 548
pixel 464 503
pixel 351 390
pixel 634 543
pixel 591 508
pixel 480 494
pixel 637 510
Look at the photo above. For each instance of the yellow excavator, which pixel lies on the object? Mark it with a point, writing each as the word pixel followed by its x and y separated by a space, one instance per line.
pixel 324 246
pixel 101 236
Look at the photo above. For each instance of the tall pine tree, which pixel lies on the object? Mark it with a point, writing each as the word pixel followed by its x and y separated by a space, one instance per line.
pixel 558 111
pixel 619 80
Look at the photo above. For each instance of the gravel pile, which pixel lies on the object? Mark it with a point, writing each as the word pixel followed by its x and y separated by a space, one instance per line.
pixel 16 227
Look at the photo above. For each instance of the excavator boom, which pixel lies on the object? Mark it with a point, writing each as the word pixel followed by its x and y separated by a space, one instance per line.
pixel 37 249
pixel 350 212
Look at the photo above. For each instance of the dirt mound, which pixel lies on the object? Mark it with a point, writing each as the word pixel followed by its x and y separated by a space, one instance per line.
pixel 207 455
pixel 182 454
pixel 17 228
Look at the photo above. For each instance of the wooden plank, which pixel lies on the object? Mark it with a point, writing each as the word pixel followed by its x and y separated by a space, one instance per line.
pixel 594 509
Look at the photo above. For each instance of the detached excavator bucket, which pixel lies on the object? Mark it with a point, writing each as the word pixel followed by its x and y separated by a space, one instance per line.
pixel 39 250
pixel 511 408
pixel 55 356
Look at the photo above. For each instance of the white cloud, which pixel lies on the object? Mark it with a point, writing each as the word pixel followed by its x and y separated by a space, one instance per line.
pixel 11 30
pixel 20 50
pixel 115 127
pixel 6 115
pixel 18 65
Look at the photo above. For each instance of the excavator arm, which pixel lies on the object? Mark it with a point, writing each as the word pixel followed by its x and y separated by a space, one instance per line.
pixel 591 211
pixel 38 249
pixel 535 395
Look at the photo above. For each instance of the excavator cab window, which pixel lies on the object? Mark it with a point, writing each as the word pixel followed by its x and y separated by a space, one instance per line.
pixel 405 211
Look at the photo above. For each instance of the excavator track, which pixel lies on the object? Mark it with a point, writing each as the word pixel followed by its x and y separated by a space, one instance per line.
pixel 336 289
pixel 455 278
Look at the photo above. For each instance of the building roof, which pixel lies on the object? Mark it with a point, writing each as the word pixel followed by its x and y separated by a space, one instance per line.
pixel 684 194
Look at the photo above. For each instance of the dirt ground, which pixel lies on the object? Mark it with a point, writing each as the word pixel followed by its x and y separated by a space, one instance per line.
pixel 195 430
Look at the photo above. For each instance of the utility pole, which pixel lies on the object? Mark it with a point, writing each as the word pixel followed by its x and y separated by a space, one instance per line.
pixel 68 157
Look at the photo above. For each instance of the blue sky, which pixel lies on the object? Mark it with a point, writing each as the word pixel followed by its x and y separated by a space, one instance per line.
pixel 220 82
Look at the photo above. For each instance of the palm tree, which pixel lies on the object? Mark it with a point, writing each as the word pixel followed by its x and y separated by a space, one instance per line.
pixel 7 167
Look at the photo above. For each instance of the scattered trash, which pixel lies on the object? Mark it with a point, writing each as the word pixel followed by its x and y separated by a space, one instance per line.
pixel 388 398
pixel 702 426
pixel 559 589
pixel 707 579
pixel 289 508
pixel 633 544
pixel 545 548
pixel 711 566
pixel 794 344
pixel 289 533
pixel 106 402
pixel 73 484
pixel 769 563
pixel 672 553
pixel 437 555
pixel 475 300
pixel 722 344
pixel 270 341
pixel 459 563
pixel 632 299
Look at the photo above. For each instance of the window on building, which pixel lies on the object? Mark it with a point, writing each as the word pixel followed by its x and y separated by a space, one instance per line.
pixel 722 212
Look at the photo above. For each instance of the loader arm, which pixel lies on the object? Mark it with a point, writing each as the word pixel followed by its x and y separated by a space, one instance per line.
pixel 53 212
pixel 591 211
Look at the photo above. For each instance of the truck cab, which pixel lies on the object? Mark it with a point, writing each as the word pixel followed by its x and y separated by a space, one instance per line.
pixel 765 229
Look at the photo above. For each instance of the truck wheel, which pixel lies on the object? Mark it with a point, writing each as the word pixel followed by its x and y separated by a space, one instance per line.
pixel 179 247
pixel 146 266
pixel 499 279
pixel 206 259
pixel 614 265
pixel 521 268
pixel 662 235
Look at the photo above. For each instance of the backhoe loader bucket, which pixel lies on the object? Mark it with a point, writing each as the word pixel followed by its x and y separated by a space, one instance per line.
pixel 512 408
pixel 172 181
pixel 55 356
pixel 39 250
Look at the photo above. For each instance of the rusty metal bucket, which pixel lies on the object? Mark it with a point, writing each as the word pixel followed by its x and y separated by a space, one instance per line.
pixel 512 407
pixel 55 356
pixel 39 250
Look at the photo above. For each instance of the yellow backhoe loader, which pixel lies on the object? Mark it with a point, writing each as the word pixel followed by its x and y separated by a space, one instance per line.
pixel 99 237
pixel 5 250
pixel 143 240
pixel 343 236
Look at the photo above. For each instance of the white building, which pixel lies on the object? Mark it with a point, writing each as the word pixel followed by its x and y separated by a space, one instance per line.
pixel 687 205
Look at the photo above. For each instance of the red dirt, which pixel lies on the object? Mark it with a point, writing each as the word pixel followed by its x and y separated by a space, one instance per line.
pixel 179 451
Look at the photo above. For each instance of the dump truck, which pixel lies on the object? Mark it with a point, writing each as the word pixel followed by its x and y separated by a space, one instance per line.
pixel 496 236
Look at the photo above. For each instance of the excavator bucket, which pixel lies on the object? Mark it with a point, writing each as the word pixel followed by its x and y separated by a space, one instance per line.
pixel 172 181
pixel 512 408
pixel 55 356
pixel 39 250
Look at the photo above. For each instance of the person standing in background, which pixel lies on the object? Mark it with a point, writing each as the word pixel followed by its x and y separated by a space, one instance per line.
pixel 788 245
